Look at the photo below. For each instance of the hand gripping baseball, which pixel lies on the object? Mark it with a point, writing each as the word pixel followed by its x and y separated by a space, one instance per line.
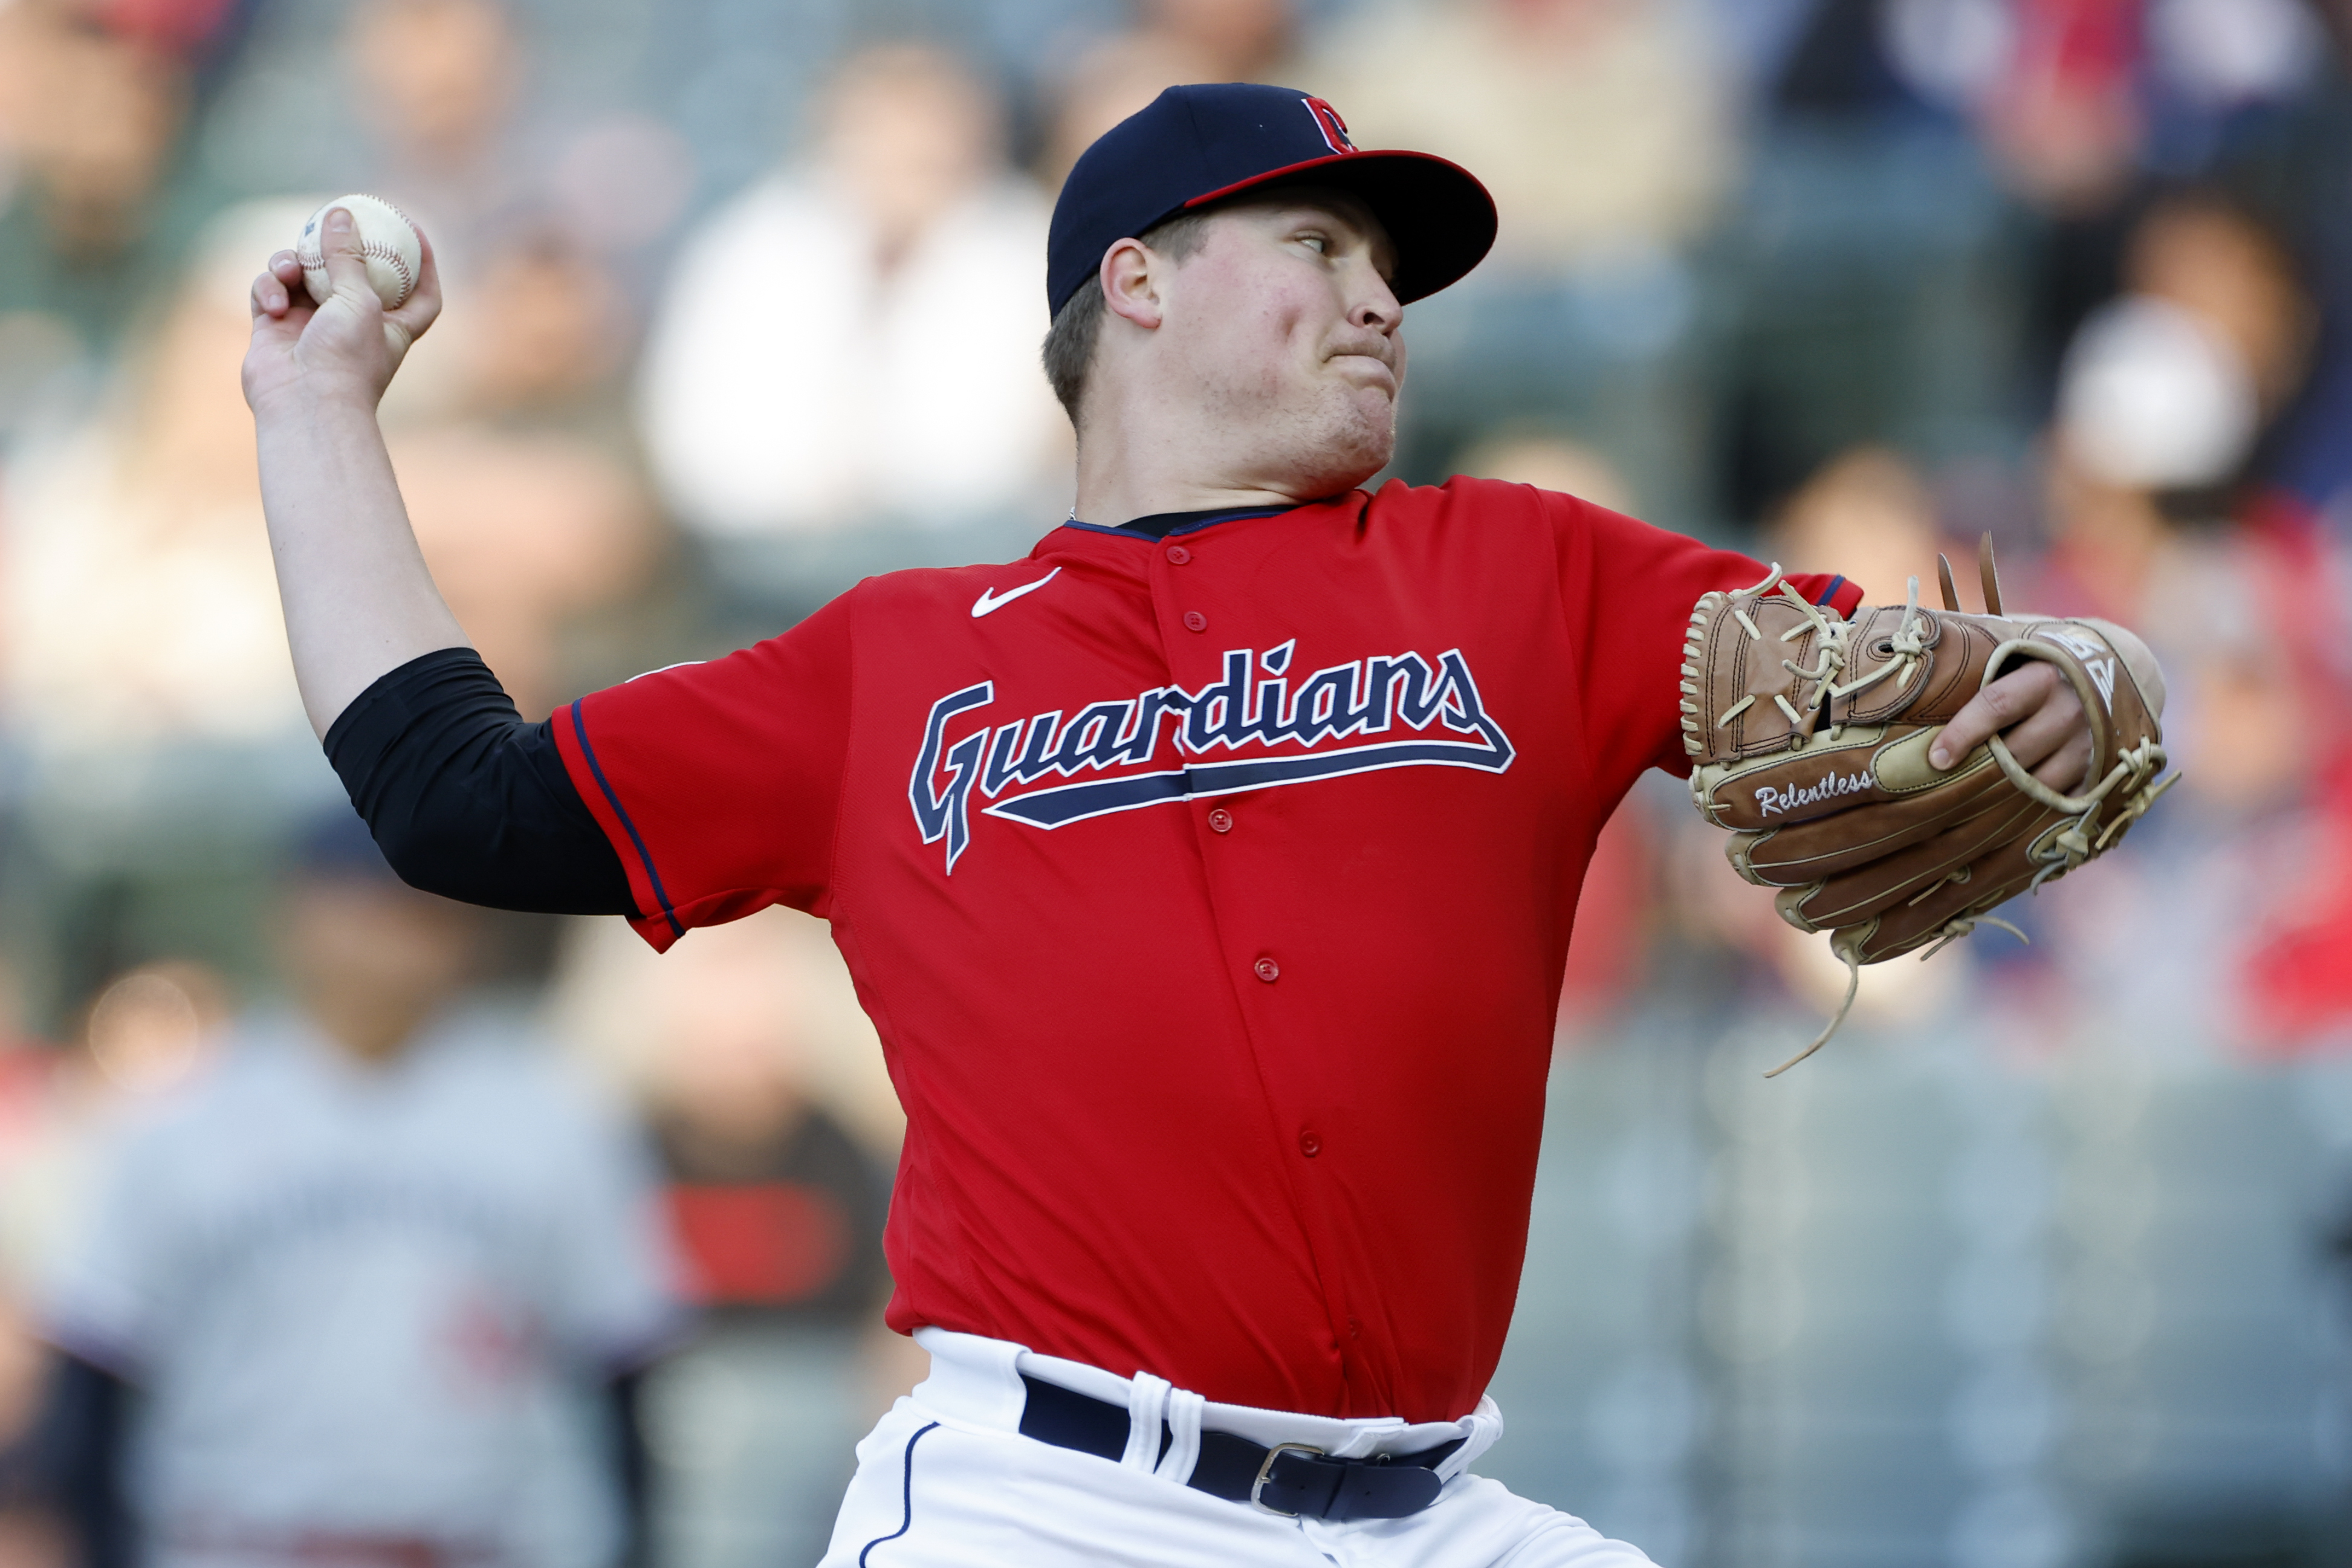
pixel 1823 743
pixel 344 347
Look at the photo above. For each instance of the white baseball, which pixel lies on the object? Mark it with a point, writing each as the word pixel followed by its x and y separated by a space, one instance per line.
pixel 389 241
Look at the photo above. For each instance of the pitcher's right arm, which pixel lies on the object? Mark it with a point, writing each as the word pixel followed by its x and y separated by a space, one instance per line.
pixel 359 601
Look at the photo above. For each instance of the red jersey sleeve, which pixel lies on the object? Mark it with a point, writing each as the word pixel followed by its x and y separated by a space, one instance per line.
pixel 719 784
pixel 1627 590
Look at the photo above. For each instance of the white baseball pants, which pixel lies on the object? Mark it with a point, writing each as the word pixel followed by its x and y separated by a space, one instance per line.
pixel 947 1481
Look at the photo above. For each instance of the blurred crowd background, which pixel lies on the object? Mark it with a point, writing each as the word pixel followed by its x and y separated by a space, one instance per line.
pixel 373 1228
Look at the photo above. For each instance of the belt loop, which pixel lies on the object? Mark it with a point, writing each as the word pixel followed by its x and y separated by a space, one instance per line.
pixel 1481 1429
pixel 1147 1402
pixel 1185 1408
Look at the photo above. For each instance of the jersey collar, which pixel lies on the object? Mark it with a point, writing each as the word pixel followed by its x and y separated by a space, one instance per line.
pixel 1168 524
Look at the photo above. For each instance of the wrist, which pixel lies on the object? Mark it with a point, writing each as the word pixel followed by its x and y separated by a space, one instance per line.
pixel 308 403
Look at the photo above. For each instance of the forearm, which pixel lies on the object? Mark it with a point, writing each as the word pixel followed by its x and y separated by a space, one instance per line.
pixel 358 598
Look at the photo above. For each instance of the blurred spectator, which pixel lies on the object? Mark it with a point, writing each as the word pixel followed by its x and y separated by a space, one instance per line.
pixel 32 1533
pixel 858 336
pixel 437 82
pixel 2059 110
pixel 542 331
pixel 1173 42
pixel 90 116
pixel 2078 98
pixel 369 1275
pixel 779 1208
pixel 1243 40
pixel 779 1215
pixel 2295 165
pixel 1866 514
pixel 764 1084
pixel 1551 463
pixel 140 594
pixel 2163 395
pixel 523 529
pixel 1598 124
pixel 145 1033
pixel 2228 918
pixel 2216 261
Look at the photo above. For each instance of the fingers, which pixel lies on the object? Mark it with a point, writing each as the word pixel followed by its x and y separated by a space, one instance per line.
pixel 2069 766
pixel 2012 698
pixel 339 244
pixel 422 305
pixel 2045 727
pixel 2049 727
pixel 273 292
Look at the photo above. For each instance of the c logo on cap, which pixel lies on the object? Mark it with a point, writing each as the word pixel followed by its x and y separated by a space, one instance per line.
pixel 1328 120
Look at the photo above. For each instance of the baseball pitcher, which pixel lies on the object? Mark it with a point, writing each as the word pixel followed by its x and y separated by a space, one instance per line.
pixel 1208 873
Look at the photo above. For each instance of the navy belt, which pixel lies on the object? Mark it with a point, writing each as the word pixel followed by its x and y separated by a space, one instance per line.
pixel 1293 1480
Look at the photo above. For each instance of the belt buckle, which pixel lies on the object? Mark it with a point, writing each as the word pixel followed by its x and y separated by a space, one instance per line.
pixel 1266 1469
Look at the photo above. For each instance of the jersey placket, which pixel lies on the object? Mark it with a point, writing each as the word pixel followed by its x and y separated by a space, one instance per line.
pixel 1207 632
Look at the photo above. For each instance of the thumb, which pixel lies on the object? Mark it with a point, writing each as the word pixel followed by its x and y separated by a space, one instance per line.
pixel 347 271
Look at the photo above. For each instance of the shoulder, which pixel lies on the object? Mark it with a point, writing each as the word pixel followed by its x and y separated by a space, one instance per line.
pixel 1474 519
pixel 920 592
pixel 1463 499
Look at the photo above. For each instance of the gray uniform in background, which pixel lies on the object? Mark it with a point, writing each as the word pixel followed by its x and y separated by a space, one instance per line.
pixel 369 1306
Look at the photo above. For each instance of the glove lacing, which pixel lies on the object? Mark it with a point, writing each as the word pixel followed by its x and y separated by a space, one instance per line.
pixel 1906 651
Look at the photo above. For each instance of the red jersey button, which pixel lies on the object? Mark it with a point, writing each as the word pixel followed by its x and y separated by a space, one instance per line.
pixel 1221 820
pixel 1179 554
pixel 1310 1144
pixel 1194 621
pixel 1269 970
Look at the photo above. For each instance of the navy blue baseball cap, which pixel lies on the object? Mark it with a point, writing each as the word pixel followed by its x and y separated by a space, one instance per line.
pixel 1194 145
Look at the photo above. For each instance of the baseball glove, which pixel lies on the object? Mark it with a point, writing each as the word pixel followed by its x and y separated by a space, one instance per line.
pixel 1809 733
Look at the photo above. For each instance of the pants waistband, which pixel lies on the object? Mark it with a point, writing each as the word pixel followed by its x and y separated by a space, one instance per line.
pixel 977 1381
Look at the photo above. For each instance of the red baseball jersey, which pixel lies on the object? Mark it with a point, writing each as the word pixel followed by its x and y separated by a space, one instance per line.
pixel 1209 893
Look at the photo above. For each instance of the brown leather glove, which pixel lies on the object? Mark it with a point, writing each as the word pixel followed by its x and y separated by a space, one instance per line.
pixel 1808 738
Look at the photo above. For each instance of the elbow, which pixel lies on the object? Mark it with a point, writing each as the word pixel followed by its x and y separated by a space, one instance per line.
pixel 427 857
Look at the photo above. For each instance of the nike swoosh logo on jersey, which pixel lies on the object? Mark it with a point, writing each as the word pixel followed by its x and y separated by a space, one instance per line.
pixel 990 601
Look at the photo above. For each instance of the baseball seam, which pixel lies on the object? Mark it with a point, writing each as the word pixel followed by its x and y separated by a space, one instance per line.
pixel 372 250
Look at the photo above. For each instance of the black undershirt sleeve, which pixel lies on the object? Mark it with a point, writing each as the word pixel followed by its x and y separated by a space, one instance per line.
pixel 469 800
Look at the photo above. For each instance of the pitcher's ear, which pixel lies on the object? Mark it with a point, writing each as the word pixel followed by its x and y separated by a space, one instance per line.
pixel 1131 275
